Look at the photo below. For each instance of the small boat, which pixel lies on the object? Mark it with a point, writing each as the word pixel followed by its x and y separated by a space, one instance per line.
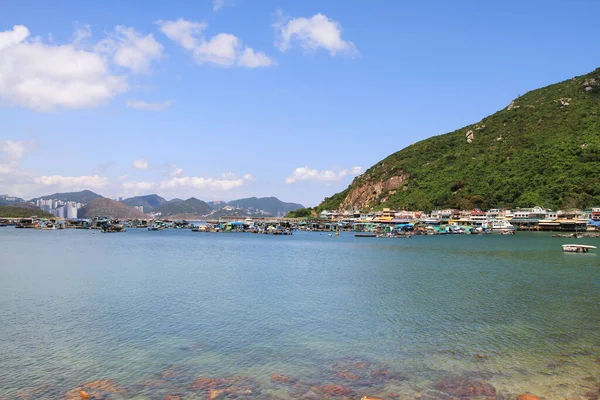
pixel 577 248
pixel 155 228
pixel 365 235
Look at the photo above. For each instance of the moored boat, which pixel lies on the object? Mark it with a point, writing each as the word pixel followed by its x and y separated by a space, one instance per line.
pixel 577 248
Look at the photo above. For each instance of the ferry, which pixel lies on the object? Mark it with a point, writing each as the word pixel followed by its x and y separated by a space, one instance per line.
pixel 577 248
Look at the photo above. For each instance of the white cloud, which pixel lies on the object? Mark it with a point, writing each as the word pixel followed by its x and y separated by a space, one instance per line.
pixel 175 171
pixel 133 185
pixel 312 34
pixel 327 175
pixel 131 50
pixel 44 76
pixel 72 182
pixel 218 4
pixel 11 152
pixel 225 182
pixel 141 164
pixel 251 59
pixel 223 49
pixel 81 34
pixel 248 177
pixel 143 105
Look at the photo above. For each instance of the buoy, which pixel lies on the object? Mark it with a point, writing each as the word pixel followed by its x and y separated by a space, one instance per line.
pixel 83 394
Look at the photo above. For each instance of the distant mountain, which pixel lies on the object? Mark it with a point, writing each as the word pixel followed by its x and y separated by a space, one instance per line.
pixel 149 202
pixel 271 205
pixel 9 200
pixel 85 196
pixel 109 208
pixel 22 210
pixel 175 200
pixel 217 204
pixel 191 207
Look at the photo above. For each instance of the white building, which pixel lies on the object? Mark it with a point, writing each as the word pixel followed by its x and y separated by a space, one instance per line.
pixel 71 212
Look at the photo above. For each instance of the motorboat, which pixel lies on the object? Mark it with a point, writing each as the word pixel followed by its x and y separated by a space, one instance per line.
pixel 577 248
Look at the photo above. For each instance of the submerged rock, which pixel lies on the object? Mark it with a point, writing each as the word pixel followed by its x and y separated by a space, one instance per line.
pixel 465 388
pixel 99 389
pixel 281 378
pixel 332 390
pixel 527 396
pixel 206 383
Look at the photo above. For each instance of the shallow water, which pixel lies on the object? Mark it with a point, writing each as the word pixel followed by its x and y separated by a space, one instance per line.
pixel 512 311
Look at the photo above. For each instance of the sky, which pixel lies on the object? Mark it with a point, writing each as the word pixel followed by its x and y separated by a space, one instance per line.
pixel 224 99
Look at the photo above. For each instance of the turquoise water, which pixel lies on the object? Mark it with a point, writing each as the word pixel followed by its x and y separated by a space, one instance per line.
pixel 513 312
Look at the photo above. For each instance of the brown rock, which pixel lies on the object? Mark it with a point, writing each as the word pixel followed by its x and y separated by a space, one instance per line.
pixel 347 376
pixel 465 388
pixel 206 383
pixel 173 397
pixel 527 396
pixel 95 390
pixel 280 378
pixel 83 394
pixel 371 398
pixel 105 385
pixel 393 395
pixel 332 390
pixel 214 394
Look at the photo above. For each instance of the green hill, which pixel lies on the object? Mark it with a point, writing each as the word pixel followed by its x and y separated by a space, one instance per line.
pixel 271 205
pixel 22 211
pixel 84 197
pixel 543 149
pixel 189 208
pixel 149 202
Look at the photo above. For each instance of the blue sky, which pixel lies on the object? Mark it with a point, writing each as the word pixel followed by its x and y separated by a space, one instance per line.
pixel 238 98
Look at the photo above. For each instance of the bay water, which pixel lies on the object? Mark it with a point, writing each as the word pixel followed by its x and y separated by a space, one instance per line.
pixel 511 312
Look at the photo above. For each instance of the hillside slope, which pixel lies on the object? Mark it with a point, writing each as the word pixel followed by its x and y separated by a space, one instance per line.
pixel 22 210
pixel 85 196
pixel 149 202
pixel 191 207
pixel 109 208
pixel 543 149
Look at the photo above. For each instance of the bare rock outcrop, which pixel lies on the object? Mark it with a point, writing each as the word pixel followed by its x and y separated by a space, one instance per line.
pixel 365 195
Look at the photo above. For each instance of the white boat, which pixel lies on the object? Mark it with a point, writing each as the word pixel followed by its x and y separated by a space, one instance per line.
pixel 577 248
pixel 499 225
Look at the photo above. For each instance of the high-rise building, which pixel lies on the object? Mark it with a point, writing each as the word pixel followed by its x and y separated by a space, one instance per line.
pixel 71 212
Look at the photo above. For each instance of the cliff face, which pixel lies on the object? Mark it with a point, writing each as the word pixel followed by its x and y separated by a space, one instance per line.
pixel 368 192
pixel 542 149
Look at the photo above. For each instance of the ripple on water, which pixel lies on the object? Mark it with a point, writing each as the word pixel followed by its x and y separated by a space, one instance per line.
pixel 142 316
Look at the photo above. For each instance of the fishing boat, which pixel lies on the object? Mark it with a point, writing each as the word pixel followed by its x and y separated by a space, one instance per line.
pixel 365 235
pixel 155 228
pixel 577 248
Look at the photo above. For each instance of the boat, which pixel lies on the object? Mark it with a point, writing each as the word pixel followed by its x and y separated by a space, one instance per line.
pixel 499 225
pixel 365 235
pixel 155 228
pixel 577 248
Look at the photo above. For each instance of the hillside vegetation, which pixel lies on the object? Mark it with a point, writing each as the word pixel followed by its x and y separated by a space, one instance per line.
pixel 543 149
pixel 17 211
pixel 85 196
pixel 149 202
pixel 188 208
